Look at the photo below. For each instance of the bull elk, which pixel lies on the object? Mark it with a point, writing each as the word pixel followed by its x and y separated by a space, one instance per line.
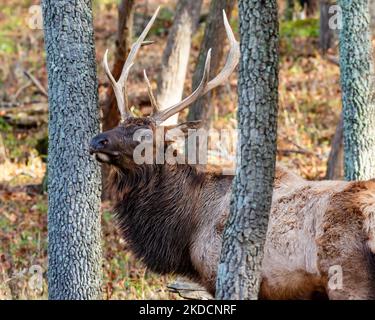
pixel 173 215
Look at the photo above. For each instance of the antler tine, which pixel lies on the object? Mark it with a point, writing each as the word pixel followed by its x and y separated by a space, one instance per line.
pixel 205 85
pixel 167 113
pixel 116 87
pixel 135 48
pixel 154 103
pixel 232 60
pixel 119 87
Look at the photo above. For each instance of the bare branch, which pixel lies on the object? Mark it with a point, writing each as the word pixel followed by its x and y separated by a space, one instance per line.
pixel 36 82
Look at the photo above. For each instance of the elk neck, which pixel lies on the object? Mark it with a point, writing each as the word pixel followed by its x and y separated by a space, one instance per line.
pixel 156 211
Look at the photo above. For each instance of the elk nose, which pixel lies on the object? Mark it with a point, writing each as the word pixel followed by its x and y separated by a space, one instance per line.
pixel 98 143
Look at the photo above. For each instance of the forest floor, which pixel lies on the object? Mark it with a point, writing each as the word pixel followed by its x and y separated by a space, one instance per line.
pixel 310 105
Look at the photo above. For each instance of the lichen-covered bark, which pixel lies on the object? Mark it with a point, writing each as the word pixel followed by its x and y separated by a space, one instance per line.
pixel 356 65
pixel 74 248
pixel 176 55
pixel 214 36
pixel 245 232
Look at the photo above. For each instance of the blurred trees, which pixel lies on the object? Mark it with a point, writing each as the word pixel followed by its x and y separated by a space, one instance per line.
pixel 289 10
pixel 357 67
pixel 202 109
pixel 309 8
pixel 176 55
pixel 3 156
pixel 245 232
pixel 74 243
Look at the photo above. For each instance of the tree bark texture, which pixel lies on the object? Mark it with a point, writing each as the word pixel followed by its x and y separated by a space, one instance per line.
pixel 356 64
pixel 176 55
pixel 74 244
pixel 245 232
pixel 213 38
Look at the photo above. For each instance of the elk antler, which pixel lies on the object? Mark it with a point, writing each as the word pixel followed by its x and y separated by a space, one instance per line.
pixel 205 86
pixel 154 103
pixel 119 87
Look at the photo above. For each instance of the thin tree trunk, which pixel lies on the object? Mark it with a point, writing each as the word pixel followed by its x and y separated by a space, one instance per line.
pixel 372 14
pixel 326 34
pixel 202 108
pixel 176 55
pixel 289 9
pixel 311 8
pixel 356 63
pixel 335 165
pixel 3 155
pixel 245 232
pixel 74 245
pixel 111 115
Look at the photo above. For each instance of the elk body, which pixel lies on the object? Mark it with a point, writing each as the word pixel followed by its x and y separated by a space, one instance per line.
pixel 173 216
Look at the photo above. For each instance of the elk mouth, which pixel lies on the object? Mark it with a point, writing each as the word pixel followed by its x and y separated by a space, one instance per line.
pixel 104 156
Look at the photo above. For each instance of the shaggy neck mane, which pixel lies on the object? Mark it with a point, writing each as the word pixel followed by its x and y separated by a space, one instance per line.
pixel 155 209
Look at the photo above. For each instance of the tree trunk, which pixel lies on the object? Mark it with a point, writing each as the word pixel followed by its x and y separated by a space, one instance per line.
pixel 111 115
pixel 289 10
pixel 310 7
pixel 74 245
pixel 202 108
pixel 176 55
pixel 356 65
pixel 335 165
pixel 326 34
pixel 372 14
pixel 245 232
pixel 3 155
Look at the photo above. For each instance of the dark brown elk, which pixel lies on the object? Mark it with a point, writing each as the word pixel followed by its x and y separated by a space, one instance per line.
pixel 173 215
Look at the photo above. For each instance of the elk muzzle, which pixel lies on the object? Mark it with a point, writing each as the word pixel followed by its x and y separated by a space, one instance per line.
pixel 102 147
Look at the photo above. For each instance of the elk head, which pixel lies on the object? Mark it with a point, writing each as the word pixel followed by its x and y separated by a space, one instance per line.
pixel 117 146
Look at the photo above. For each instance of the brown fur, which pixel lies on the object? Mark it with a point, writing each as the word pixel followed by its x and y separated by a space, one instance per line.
pixel 173 218
pixel 297 284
